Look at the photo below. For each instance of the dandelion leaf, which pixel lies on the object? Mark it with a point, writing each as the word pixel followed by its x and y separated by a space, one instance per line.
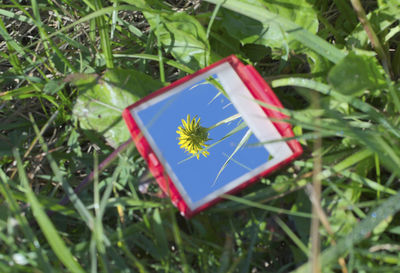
pixel 356 73
pixel 269 32
pixel 181 35
pixel 102 99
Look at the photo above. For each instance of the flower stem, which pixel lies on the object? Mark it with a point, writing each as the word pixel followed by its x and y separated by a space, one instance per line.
pixel 376 44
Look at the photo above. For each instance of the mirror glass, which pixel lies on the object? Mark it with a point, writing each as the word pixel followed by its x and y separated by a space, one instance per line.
pixel 210 135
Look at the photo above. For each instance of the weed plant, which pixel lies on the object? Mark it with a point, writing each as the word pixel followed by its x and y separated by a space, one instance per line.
pixel 335 65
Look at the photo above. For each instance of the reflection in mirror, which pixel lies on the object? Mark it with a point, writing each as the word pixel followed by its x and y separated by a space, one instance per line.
pixel 207 132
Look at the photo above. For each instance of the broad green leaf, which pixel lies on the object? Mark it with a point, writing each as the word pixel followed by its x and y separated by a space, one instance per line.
pixel 270 33
pixel 101 101
pixel 15 138
pixel 294 30
pixel 181 35
pixel 355 74
pixel 342 220
pixel 223 44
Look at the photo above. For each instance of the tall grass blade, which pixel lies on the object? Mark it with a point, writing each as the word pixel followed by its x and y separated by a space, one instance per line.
pixel 360 232
pixel 253 239
pixel 19 49
pixel 80 207
pixel 329 172
pixel 178 240
pixel 242 142
pixel 292 235
pixel 104 35
pixel 48 43
pixel 23 223
pixel 328 90
pixel 249 203
pixel 49 231
pixel 169 62
pixel 98 237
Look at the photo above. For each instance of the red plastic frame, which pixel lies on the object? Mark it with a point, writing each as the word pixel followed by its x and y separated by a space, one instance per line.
pixel 260 91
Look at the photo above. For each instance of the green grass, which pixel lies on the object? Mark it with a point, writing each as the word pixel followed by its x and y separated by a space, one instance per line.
pixel 335 65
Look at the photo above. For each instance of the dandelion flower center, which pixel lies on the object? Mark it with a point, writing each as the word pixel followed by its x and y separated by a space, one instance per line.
pixel 192 137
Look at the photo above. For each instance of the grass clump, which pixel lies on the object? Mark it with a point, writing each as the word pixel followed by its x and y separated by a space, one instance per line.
pixel 335 66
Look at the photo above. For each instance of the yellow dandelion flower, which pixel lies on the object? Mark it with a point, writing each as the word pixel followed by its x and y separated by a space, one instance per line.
pixel 192 137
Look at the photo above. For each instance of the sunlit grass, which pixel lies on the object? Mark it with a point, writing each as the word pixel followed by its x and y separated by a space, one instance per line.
pixel 350 139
